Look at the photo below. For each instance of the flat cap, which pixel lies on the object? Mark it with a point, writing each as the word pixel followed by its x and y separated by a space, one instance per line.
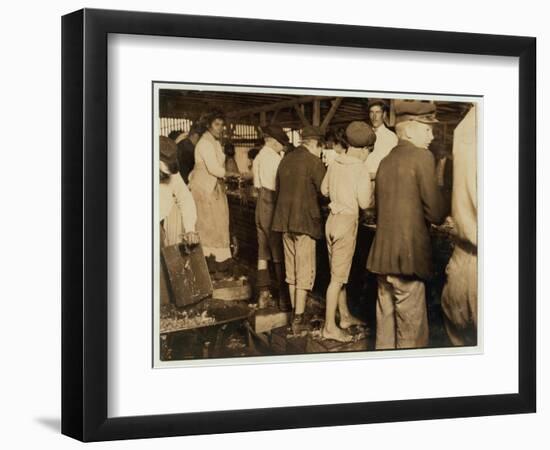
pixel 360 134
pixel 419 111
pixel 312 132
pixel 277 133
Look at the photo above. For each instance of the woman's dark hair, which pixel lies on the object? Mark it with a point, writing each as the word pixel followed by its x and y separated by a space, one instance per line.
pixel 229 149
pixel 337 137
pixel 212 115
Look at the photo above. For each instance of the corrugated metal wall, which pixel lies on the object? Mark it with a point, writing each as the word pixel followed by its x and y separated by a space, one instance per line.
pixel 169 124
pixel 243 134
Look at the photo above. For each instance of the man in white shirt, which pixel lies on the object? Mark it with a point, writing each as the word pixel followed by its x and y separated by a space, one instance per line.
pixel 270 248
pixel 459 297
pixel 386 140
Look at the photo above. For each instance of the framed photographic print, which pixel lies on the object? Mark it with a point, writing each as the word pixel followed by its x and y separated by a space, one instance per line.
pixel 274 224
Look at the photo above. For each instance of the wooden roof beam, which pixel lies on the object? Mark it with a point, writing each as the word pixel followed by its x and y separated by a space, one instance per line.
pixel 301 115
pixel 335 104
pixel 275 106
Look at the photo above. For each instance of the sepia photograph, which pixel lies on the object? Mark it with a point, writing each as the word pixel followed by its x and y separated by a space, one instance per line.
pixel 316 223
pixel 273 222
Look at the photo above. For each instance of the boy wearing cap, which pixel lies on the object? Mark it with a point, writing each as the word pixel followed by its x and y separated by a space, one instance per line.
pixel 348 186
pixel 265 168
pixel 298 216
pixel 407 201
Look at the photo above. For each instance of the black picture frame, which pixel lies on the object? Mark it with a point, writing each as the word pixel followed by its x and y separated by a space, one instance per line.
pixel 84 224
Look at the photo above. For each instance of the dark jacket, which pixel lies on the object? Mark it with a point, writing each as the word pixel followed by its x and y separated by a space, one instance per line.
pixel 186 158
pixel 407 201
pixel 299 181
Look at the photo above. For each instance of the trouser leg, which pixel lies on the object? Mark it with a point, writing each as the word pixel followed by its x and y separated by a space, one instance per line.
pixel 455 336
pixel 411 314
pixel 300 301
pixel 385 315
pixel 290 268
pixel 459 298
pixel 304 266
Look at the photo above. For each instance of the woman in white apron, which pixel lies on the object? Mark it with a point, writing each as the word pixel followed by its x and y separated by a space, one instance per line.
pixel 206 182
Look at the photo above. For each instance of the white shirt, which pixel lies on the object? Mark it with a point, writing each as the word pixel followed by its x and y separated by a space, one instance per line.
pixel 265 167
pixel 175 194
pixel 347 184
pixel 386 140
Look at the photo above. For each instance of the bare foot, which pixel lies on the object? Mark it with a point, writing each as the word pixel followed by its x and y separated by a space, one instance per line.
pixel 337 335
pixel 350 321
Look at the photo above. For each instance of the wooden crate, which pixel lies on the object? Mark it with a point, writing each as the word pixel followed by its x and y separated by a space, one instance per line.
pixel 232 290
pixel 269 318
pixel 187 273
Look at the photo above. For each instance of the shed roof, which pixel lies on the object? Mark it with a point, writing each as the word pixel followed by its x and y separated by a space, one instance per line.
pixel 284 109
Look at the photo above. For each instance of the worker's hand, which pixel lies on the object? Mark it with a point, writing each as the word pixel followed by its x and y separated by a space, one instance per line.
pixel 192 238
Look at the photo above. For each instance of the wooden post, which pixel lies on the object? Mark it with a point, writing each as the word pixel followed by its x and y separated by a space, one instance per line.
pixel 301 115
pixel 332 111
pixel 316 116
pixel 274 116
pixel 263 119
pixel 391 115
